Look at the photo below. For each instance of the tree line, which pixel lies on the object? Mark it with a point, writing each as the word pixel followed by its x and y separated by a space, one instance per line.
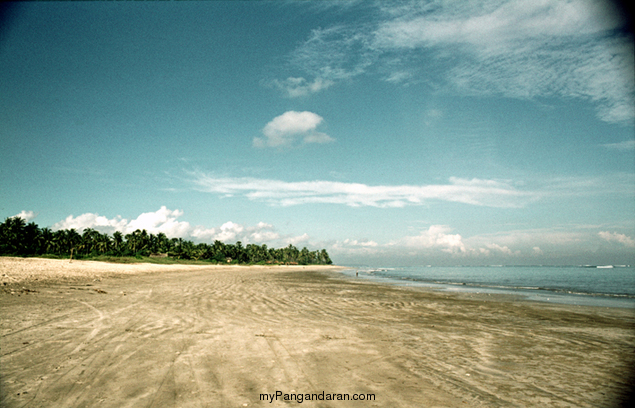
pixel 17 238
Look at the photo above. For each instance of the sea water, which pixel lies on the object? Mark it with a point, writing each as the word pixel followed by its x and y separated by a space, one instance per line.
pixel 609 286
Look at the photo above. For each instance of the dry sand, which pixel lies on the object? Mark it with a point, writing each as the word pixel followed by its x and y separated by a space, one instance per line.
pixel 86 334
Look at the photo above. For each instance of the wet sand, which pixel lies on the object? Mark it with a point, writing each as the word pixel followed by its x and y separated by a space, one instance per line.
pixel 86 334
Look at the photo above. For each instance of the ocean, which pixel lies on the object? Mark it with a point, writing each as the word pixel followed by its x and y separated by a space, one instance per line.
pixel 607 286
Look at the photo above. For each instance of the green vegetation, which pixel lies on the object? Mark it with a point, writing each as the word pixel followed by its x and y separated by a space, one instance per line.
pixel 17 238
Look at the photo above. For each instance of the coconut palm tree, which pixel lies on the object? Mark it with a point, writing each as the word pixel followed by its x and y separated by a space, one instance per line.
pixel 117 242
pixel 12 236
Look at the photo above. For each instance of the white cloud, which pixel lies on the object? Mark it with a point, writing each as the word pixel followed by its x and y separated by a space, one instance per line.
pixel 617 184
pixel 163 220
pixel 357 248
pixel 166 221
pixel 263 232
pixel 317 137
pixel 436 237
pixel 335 53
pixel 229 231
pixel 285 129
pixel 490 193
pixel 615 237
pixel 626 145
pixel 95 221
pixel 574 241
pixel 438 242
pixel 364 243
pixel 556 237
pixel 204 234
pixel 485 25
pixel 518 48
pixel 442 244
pixel 298 239
pixel 527 48
pixel 27 216
pixel 399 76
pixel 296 87
pixel 502 249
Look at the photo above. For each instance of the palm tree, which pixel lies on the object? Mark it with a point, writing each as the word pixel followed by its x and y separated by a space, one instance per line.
pixel 89 241
pixel 324 258
pixel 18 238
pixel 57 242
pixel 12 235
pixel 73 239
pixel 117 241
pixel 102 243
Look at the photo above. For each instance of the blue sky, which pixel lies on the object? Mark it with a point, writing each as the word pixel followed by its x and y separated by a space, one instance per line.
pixel 403 133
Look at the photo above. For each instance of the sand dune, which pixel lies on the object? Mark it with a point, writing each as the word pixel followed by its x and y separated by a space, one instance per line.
pixel 97 334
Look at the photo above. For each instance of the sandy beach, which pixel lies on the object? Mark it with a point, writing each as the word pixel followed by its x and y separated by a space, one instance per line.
pixel 89 334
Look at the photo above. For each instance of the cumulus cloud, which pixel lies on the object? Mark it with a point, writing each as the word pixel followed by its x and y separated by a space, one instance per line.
pixel 27 216
pixel 263 232
pixel 286 129
pixel 229 231
pixel 297 240
pixel 163 220
pixel 94 221
pixel 619 238
pixel 364 243
pixel 502 249
pixel 574 242
pixel 437 242
pixel 166 221
pixel 203 234
pixel 444 245
pixel 480 192
pixel 358 248
pixel 436 237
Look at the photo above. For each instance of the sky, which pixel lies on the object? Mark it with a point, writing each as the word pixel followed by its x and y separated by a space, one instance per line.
pixel 389 133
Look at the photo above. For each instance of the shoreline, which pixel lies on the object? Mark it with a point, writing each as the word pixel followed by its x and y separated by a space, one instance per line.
pixel 540 295
pixel 222 336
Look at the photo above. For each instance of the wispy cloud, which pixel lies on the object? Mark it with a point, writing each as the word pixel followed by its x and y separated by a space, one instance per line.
pixel 617 184
pixel 476 192
pixel 286 129
pixel 490 193
pixel 336 53
pixel 519 49
pixel 496 24
pixel 626 145
pixel 295 87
